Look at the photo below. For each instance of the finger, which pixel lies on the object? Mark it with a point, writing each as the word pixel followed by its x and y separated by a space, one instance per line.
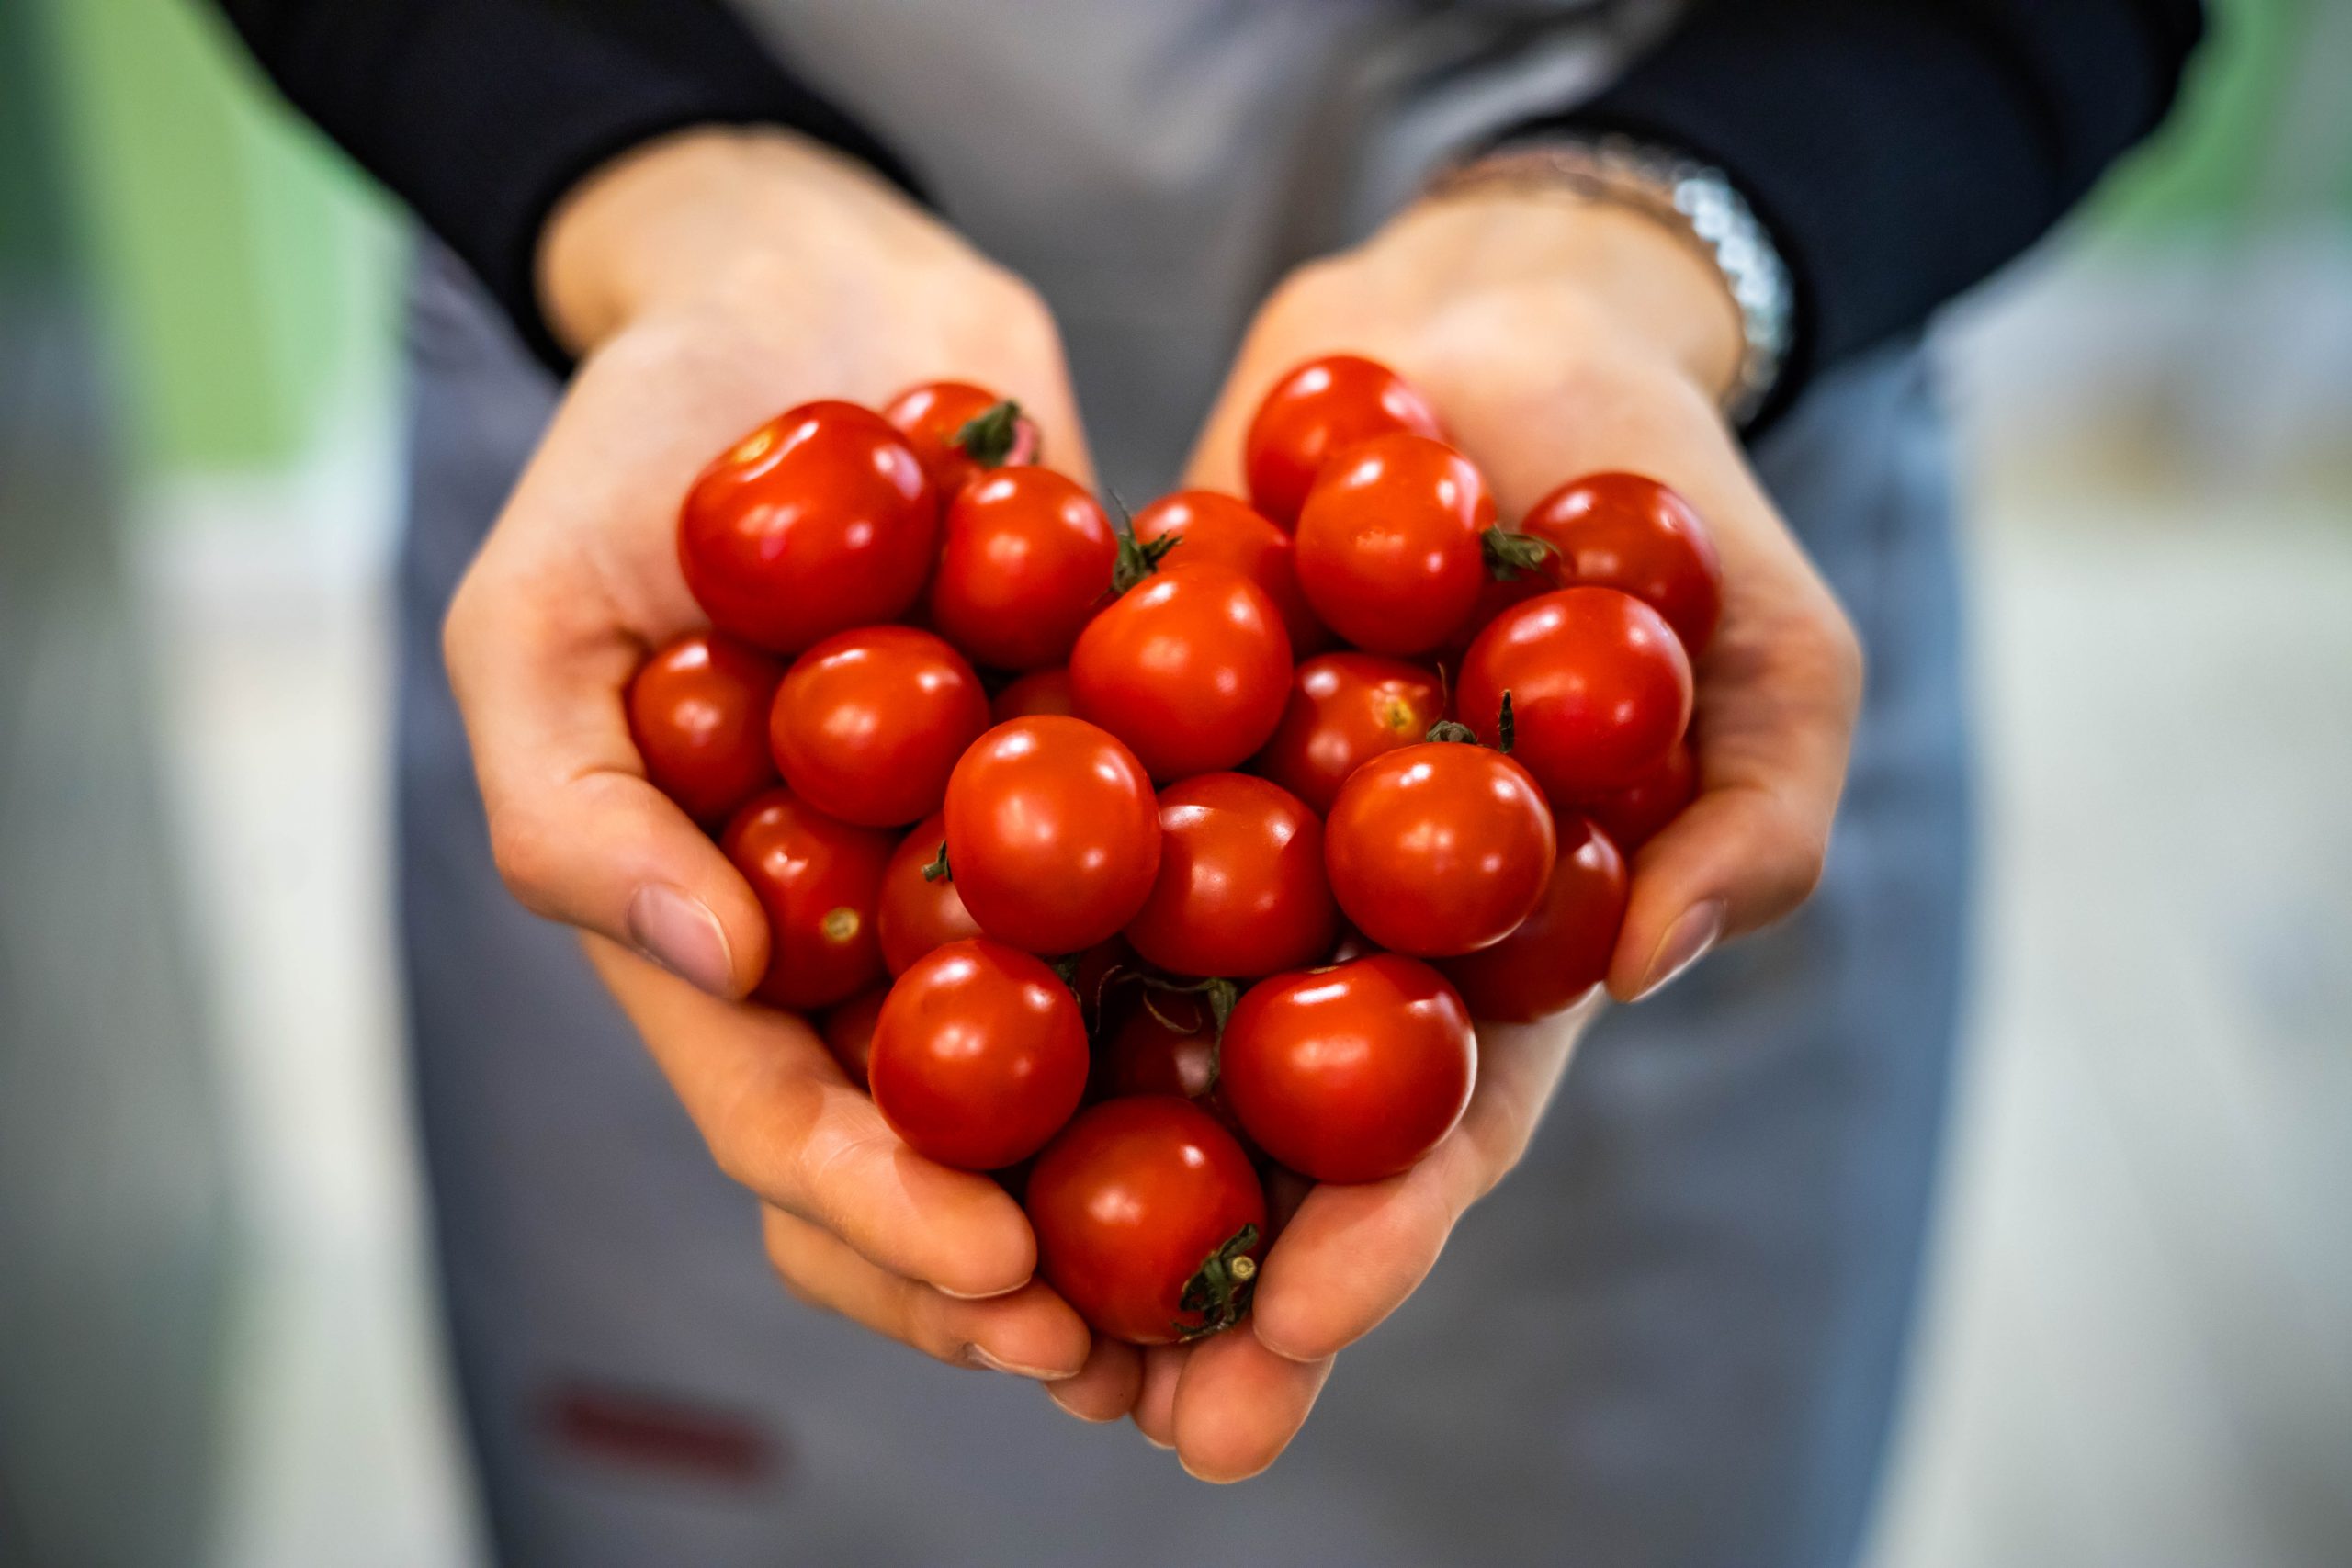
pixel 1354 1253
pixel 1154 1411
pixel 780 1119
pixel 578 833
pixel 1106 1387
pixel 1031 1333
pixel 1238 1404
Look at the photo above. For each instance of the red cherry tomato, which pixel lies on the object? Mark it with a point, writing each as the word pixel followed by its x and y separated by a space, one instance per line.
pixel 1216 527
pixel 819 521
pixel 1191 668
pixel 1391 543
pixel 869 724
pixel 1241 888
pixel 1562 950
pixel 1349 1073
pixel 921 912
pixel 1632 533
pixel 958 430
pixel 1149 1220
pixel 1599 689
pixel 697 710
pixel 1165 1046
pixel 1345 709
pixel 1040 690
pixel 1318 409
pixel 849 1031
pixel 820 882
pixel 1027 557
pixel 979 1055
pixel 1439 849
pixel 1053 834
pixel 1632 817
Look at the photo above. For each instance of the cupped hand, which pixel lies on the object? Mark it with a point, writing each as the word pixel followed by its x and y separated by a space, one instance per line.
pixel 1556 338
pixel 708 282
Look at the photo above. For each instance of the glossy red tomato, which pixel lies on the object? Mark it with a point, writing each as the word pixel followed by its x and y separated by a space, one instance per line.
pixel 698 712
pixel 1599 689
pixel 1632 817
pixel 1053 834
pixel 1027 555
pixel 1344 710
pixel 1390 545
pixel 1241 888
pixel 820 882
pixel 819 521
pixel 921 912
pixel 979 1055
pixel 1191 668
pixel 1165 1046
pixel 849 1031
pixel 1439 849
pixel 958 430
pixel 1149 1220
pixel 1040 690
pixel 1318 409
pixel 1349 1073
pixel 1631 532
pixel 1216 527
pixel 869 724
pixel 1562 950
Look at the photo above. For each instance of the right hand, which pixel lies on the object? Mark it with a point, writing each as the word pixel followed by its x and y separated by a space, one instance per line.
pixel 708 281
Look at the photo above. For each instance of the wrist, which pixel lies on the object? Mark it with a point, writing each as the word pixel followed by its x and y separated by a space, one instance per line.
pixel 707 213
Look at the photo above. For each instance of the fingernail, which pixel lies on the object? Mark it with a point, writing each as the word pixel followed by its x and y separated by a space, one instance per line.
pixel 979 1356
pixel 1685 942
pixel 680 933
pixel 1155 1442
pixel 978 1295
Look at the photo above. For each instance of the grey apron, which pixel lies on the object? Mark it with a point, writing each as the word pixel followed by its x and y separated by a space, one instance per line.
pixel 1674 1337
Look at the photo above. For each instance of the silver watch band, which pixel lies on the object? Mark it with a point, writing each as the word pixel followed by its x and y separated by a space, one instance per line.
pixel 1696 201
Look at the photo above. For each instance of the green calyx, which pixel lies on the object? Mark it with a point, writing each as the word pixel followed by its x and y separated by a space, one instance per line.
pixel 1452 731
pixel 989 436
pixel 1220 1288
pixel 1138 558
pixel 1220 994
pixel 1511 555
pixel 937 870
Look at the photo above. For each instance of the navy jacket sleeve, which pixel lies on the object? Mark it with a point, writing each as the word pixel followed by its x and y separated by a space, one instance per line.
pixel 1900 150
pixel 479 114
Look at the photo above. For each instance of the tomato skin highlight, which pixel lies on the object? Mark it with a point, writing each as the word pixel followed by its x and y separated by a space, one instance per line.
pixel 1040 690
pixel 820 882
pixel 1345 709
pixel 1439 849
pixel 820 520
pixel 698 711
pixel 1391 551
pixel 1349 1073
pixel 1601 689
pixel 919 913
pixel 1129 1201
pixel 1190 668
pixel 1561 951
pixel 869 724
pixel 1632 817
pixel 979 1055
pixel 1052 833
pixel 848 1031
pixel 1223 529
pixel 1026 556
pixel 1241 889
pixel 1632 533
pixel 930 417
pixel 1316 410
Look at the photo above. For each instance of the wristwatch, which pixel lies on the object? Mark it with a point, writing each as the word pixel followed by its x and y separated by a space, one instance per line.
pixel 1695 201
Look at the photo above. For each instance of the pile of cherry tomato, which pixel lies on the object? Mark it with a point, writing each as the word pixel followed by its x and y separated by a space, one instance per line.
pixel 1131 859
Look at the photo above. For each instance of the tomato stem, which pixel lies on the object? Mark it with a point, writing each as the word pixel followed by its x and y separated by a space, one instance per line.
pixel 989 436
pixel 1451 732
pixel 937 870
pixel 1220 1288
pixel 1512 556
pixel 1221 994
pixel 1139 558
pixel 1506 729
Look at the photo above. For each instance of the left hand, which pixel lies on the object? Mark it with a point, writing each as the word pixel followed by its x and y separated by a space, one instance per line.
pixel 1556 338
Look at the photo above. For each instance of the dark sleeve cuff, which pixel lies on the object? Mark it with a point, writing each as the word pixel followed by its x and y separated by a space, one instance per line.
pixel 480 114
pixel 1898 153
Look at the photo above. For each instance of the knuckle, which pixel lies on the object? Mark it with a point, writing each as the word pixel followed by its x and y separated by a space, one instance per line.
pixel 758 1139
pixel 526 854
